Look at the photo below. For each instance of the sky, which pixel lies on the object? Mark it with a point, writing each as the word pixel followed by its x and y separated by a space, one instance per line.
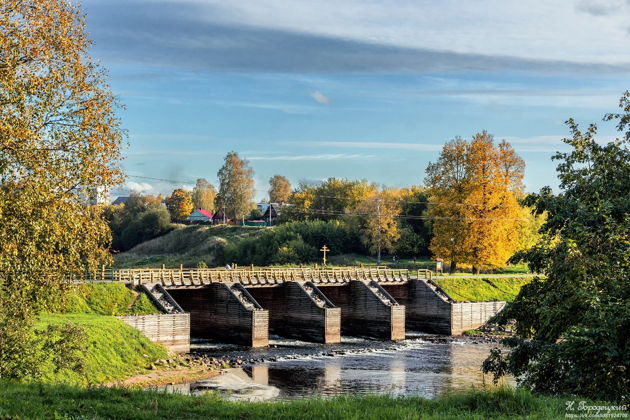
pixel 356 89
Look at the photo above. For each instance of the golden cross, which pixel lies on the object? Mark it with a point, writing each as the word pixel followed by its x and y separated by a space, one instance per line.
pixel 324 249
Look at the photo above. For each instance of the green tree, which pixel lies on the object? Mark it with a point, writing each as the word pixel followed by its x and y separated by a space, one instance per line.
pixel 236 187
pixel 179 204
pixel 203 195
pixel 415 226
pixel 59 143
pixel 141 218
pixel 572 326
pixel 280 189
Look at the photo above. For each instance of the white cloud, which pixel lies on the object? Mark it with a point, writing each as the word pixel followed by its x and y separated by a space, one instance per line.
pixel 337 156
pixel 139 187
pixel 535 29
pixel 320 98
pixel 424 147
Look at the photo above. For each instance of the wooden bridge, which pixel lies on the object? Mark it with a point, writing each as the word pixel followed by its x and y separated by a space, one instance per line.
pixel 268 277
pixel 243 305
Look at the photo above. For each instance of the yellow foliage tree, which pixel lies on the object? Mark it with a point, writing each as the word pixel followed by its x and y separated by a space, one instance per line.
pixel 179 204
pixel 477 217
pixel 280 189
pixel 60 143
pixel 379 212
pixel 236 187
pixel 203 195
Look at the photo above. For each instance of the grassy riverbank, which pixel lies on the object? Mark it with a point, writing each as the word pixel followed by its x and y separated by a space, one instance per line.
pixel 113 350
pixel 477 289
pixel 37 401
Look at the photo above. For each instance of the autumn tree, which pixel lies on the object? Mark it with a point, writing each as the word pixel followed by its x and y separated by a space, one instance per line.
pixel 448 186
pixel 236 187
pixel 475 188
pixel 280 189
pixel 203 195
pixel 179 204
pixel 378 213
pixel 60 142
pixel 333 199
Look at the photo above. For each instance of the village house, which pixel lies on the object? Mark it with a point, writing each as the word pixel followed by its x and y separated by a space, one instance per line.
pixel 200 216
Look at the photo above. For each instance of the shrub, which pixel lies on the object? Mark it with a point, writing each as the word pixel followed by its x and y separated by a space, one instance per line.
pixel 294 243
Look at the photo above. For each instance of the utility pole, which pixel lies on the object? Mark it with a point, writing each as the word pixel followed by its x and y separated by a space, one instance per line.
pixel 269 210
pixel 378 223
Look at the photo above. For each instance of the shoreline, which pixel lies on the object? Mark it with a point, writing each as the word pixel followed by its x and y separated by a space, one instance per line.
pixel 169 376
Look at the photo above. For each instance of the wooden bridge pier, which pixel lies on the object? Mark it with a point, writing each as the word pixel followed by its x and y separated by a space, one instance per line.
pixel 225 312
pixel 367 309
pixel 300 310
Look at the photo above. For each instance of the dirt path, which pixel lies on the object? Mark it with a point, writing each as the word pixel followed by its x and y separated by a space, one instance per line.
pixel 166 376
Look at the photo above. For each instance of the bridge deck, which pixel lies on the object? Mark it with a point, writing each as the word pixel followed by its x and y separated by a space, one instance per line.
pixel 200 277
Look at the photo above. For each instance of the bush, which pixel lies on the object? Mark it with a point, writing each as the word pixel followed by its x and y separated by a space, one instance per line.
pixel 294 243
pixel 141 219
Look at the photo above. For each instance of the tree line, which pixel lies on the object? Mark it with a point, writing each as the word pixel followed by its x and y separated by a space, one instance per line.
pixel 468 212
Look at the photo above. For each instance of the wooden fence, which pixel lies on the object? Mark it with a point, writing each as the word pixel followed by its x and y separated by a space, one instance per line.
pixel 170 330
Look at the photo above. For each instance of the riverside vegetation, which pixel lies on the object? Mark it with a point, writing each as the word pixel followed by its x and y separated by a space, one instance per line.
pixel 47 401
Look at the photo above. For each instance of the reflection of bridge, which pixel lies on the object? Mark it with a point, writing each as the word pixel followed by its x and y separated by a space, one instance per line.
pixel 243 305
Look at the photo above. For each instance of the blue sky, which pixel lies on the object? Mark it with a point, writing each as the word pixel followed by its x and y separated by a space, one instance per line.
pixel 359 89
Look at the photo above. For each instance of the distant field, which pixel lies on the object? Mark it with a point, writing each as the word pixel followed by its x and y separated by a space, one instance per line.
pixel 482 288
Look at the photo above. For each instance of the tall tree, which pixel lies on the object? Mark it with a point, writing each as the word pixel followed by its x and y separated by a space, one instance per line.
pixel 415 234
pixel 203 195
pixel 280 189
pixel 236 187
pixel 179 204
pixel 475 186
pixel 59 142
pixel 379 214
pixel 448 186
pixel 572 324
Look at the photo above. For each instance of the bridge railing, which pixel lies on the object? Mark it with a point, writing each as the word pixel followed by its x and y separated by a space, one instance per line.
pixel 424 274
pixel 261 277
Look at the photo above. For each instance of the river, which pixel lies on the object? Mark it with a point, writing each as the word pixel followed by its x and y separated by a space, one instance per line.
pixel 425 365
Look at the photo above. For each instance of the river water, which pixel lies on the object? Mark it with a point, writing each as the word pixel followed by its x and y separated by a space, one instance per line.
pixel 425 365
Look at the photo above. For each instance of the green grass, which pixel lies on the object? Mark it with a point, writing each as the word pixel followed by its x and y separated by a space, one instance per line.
pixel 115 350
pixel 482 289
pixel 186 245
pixel 36 401
pixel 107 299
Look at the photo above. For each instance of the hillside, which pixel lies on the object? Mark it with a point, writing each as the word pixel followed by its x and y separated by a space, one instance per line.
pixel 113 349
pixel 186 245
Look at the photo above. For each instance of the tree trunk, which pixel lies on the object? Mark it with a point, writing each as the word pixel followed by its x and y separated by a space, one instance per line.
pixel 452 267
pixel 378 256
pixel 475 269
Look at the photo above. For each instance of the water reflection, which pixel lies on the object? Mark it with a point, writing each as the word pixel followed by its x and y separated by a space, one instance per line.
pixel 413 367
